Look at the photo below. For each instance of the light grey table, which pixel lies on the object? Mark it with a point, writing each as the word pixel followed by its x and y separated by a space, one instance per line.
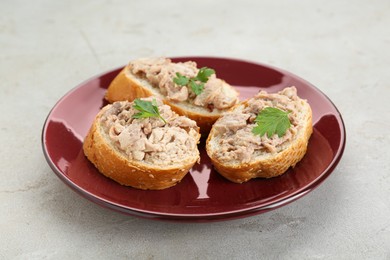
pixel 342 47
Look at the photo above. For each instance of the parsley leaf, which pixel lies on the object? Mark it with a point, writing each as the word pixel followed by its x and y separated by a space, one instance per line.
pixel 197 88
pixel 181 80
pixel 147 109
pixel 272 121
pixel 202 76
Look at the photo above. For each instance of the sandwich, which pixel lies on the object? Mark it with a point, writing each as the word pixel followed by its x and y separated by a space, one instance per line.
pixel 190 91
pixel 142 144
pixel 261 137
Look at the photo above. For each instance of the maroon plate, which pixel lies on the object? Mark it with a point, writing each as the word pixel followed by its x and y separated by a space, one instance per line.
pixel 203 195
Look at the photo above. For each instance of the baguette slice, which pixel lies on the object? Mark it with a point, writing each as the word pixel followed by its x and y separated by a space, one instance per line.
pixel 129 85
pixel 143 153
pixel 239 155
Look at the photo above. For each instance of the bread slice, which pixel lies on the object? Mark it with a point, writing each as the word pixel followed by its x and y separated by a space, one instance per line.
pixel 129 85
pixel 143 153
pixel 239 155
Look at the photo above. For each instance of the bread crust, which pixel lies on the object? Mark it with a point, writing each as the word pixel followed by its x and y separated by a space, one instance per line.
pixel 127 172
pixel 273 165
pixel 127 86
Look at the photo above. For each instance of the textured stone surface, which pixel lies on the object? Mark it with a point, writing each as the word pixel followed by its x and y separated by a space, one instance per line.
pixel 342 47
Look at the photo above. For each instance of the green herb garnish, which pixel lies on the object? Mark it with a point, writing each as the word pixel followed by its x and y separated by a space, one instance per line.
pixel 181 80
pixel 271 121
pixel 147 109
pixel 197 87
pixel 204 74
pixel 196 83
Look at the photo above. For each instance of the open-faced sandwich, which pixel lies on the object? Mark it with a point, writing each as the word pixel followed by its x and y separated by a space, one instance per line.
pixel 190 91
pixel 143 144
pixel 261 137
